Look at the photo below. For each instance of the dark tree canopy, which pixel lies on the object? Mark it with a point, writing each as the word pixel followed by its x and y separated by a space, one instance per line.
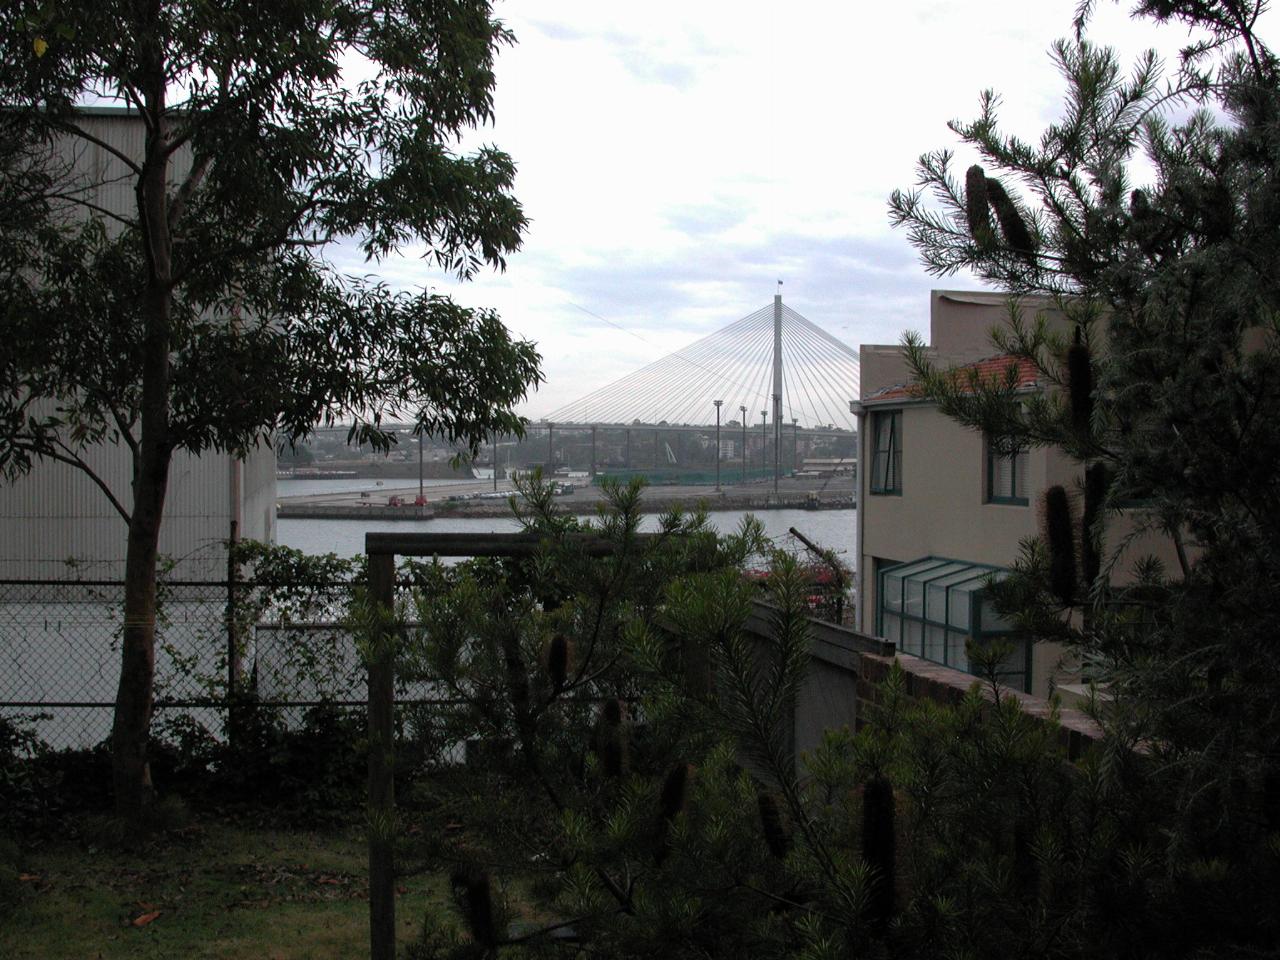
pixel 169 283
pixel 270 150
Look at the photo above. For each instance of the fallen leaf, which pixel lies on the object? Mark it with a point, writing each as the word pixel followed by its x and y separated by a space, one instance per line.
pixel 328 880
pixel 402 890
pixel 28 878
pixel 146 918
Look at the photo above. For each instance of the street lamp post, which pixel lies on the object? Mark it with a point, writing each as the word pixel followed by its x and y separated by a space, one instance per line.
pixel 764 440
pixel 717 403
pixel 744 443
pixel 420 482
pixel 795 444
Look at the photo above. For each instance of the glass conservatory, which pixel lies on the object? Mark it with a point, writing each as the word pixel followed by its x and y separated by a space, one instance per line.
pixel 931 607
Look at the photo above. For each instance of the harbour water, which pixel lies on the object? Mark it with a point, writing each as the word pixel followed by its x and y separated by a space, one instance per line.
pixel 833 529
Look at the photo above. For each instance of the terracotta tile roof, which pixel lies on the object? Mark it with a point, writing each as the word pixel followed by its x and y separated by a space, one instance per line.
pixel 990 369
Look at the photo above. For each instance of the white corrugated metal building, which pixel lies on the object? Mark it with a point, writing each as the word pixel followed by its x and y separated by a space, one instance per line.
pixel 56 513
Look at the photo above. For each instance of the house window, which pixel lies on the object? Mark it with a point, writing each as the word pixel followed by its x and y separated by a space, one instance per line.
pixel 886 460
pixel 1006 476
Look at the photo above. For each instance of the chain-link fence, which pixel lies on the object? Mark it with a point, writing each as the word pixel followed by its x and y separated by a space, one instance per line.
pixel 216 641
pixel 283 645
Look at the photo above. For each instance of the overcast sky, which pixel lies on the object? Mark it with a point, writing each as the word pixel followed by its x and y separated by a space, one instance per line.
pixel 678 158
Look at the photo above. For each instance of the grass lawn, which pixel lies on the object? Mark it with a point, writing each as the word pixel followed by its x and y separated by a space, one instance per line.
pixel 215 891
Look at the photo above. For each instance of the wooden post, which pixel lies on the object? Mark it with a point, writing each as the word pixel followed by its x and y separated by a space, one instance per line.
pixel 382 798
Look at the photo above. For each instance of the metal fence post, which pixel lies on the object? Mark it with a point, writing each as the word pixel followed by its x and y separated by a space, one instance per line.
pixel 233 640
pixel 382 801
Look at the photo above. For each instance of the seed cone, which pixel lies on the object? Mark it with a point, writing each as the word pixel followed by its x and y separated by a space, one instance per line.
pixel 472 891
pixel 610 739
pixel 1014 228
pixel 1096 481
pixel 559 656
pixel 1080 384
pixel 1058 530
pixel 1026 871
pixel 671 802
pixel 976 207
pixel 878 842
pixel 776 834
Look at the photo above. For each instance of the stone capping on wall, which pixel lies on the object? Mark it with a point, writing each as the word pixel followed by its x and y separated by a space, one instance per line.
pixel 868 659
pixel 1077 731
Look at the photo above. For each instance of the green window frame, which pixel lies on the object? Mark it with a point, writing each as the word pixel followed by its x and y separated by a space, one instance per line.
pixel 886 456
pixel 1006 476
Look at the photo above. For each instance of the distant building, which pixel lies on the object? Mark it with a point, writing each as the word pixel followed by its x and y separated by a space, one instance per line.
pixel 939 511
pixel 56 513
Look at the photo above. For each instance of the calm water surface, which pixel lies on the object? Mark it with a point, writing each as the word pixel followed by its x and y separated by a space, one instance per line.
pixel 833 529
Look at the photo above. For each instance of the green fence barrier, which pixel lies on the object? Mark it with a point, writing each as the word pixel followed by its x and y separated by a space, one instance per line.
pixel 660 477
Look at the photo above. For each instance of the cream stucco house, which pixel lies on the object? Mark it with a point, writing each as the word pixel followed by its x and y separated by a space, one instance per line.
pixel 940 512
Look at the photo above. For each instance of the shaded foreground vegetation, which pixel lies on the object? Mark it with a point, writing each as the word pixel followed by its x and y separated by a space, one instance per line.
pixel 630 790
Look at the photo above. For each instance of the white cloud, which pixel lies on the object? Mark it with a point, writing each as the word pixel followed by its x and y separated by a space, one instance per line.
pixel 677 158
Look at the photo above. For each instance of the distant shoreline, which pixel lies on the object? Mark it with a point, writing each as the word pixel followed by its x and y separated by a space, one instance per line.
pixel 653 503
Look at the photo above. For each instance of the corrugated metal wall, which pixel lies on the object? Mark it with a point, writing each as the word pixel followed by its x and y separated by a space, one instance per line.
pixel 57 513
pixel 258 494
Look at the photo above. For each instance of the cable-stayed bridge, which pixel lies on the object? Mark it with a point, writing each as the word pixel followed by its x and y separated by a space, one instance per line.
pixel 771 358
pixel 691 417
pixel 694 411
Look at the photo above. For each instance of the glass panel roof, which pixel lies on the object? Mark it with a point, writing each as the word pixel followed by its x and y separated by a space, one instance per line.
pixel 940 590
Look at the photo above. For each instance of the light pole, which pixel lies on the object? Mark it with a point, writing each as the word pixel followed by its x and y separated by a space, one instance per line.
pixel 717 403
pixel 420 483
pixel 764 440
pixel 795 444
pixel 744 443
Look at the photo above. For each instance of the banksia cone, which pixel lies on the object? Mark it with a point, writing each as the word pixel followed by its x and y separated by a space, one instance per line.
pixel 612 712
pixel 671 802
pixel 776 834
pixel 976 206
pixel 1014 228
pixel 1096 480
pixel 559 655
pixel 1026 871
pixel 878 844
pixel 1080 384
pixel 471 889
pixel 1271 795
pixel 697 668
pixel 611 739
pixel 1060 539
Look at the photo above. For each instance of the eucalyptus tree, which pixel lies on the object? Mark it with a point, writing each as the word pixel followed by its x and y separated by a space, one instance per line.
pixel 209 312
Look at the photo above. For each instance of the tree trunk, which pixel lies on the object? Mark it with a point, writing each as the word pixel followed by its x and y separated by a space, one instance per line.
pixel 131 773
pixel 130 731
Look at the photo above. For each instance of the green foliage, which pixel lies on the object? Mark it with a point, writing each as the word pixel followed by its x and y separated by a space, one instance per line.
pixel 180 292
pixel 24 793
pixel 268 338
pixel 931 825
pixel 1160 381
